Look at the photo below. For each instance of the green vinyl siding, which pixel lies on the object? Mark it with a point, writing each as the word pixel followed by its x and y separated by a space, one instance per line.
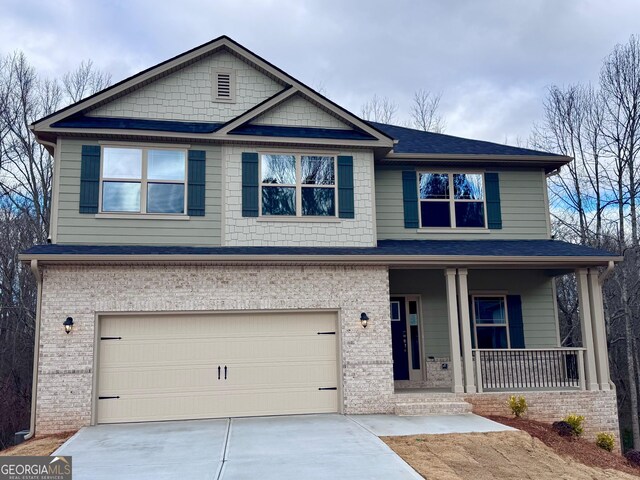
pixel 534 287
pixel 77 228
pixel 522 201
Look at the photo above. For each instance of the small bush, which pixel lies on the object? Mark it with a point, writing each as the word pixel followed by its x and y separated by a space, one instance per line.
pixel 518 405
pixel 563 429
pixel 634 457
pixel 606 441
pixel 576 423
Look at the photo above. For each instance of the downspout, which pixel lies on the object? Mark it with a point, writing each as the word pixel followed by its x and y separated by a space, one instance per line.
pixel 36 350
pixel 607 273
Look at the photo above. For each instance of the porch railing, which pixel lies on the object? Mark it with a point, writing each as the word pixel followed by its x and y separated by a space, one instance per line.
pixel 529 369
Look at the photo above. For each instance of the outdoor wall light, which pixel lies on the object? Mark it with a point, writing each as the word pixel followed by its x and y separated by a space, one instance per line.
pixel 364 319
pixel 68 325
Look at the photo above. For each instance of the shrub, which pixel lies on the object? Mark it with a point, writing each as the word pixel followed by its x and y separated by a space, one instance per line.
pixel 634 457
pixel 563 429
pixel 518 405
pixel 606 441
pixel 576 423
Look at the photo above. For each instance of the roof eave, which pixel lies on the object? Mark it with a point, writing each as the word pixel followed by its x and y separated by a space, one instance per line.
pixel 380 260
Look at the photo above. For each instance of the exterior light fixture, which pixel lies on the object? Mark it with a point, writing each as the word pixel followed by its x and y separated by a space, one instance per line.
pixel 364 319
pixel 68 325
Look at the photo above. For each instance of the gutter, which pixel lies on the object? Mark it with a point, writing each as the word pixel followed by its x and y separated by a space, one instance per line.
pixel 385 260
pixel 607 273
pixel 36 350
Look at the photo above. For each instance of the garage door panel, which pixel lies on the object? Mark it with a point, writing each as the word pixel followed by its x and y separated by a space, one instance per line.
pixel 166 367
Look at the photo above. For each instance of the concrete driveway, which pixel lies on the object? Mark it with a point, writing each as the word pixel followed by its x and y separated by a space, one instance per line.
pixel 287 447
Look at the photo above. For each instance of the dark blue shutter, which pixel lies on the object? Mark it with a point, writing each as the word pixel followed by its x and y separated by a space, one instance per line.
pixel 492 191
pixel 410 199
pixel 196 182
pixel 90 179
pixel 249 184
pixel 346 208
pixel 516 327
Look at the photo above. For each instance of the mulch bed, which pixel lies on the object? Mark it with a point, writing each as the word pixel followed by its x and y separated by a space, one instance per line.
pixel 582 450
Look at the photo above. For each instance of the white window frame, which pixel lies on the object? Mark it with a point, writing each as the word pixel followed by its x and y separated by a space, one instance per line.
pixel 452 200
pixel 143 181
pixel 490 325
pixel 299 185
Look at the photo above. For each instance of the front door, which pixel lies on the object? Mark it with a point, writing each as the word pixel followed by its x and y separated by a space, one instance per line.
pixel 399 339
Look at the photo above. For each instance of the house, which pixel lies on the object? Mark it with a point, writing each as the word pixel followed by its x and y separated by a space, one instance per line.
pixel 225 241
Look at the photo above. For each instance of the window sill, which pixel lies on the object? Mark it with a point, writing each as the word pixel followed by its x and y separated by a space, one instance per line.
pixel 142 216
pixel 453 230
pixel 299 219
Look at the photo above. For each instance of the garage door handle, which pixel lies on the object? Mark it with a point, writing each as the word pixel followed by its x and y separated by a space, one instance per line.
pixel 218 372
pixel 225 372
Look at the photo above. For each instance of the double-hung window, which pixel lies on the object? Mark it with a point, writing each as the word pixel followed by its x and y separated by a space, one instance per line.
pixel 143 180
pixel 298 185
pixel 490 320
pixel 451 200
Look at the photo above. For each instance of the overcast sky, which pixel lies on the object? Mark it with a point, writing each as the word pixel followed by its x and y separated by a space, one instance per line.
pixel 492 60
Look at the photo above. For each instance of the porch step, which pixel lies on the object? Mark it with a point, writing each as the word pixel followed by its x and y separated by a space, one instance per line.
pixel 432 408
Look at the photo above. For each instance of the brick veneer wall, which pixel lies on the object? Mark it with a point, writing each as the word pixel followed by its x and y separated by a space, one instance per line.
pixel 66 361
pixel 599 408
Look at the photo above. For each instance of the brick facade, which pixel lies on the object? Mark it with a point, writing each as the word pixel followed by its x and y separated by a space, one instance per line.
pixel 66 361
pixel 599 408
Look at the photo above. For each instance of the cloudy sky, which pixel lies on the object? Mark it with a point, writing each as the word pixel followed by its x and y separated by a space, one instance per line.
pixel 492 60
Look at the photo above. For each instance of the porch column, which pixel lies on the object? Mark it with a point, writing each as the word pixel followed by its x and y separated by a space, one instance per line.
pixel 584 305
pixel 465 329
pixel 454 331
pixel 599 330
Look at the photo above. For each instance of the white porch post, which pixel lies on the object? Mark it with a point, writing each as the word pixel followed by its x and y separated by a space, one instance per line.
pixel 584 305
pixel 454 332
pixel 465 329
pixel 599 330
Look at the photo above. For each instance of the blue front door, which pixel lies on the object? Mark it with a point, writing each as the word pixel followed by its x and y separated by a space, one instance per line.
pixel 399 339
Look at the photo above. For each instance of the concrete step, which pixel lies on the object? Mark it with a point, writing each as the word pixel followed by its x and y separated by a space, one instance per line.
pixel 432 408
pixel 414 397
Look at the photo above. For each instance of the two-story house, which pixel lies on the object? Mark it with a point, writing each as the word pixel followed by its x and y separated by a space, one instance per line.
pixel 225 241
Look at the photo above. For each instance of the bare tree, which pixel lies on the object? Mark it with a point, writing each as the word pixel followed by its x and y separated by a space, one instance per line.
pixel 425 112
pixel 379 109
pixel 85 80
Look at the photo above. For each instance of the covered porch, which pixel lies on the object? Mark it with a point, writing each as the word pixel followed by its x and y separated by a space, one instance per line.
pixel 493 327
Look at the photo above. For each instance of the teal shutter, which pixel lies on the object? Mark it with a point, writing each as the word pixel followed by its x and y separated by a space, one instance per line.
pixel 346 207
pixel 516 327
pixel 90 179
pixel 492 191
pixel 196 183
pixel 249 184
pixel 410 199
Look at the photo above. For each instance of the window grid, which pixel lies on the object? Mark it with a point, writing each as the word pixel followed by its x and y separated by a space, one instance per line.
pixel 452 200
pixel 299 185
pixel 476 325
pixel 143 181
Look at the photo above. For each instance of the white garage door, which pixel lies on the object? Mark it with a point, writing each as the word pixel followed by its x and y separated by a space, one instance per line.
pixel 167 367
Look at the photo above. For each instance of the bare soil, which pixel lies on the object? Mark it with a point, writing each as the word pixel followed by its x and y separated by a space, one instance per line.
pixel 38 446
pixel 496 455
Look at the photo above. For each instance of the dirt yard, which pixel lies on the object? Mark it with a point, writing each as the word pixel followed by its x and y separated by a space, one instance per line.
pixel 496 455
pixel 40 446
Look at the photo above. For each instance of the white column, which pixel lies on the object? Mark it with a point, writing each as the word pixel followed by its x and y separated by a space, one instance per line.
pixel 454 332
pixel 465 329
pixel 599 330
pixel 584 305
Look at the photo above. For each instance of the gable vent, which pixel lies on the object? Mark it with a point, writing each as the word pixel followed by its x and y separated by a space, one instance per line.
pixel 223 85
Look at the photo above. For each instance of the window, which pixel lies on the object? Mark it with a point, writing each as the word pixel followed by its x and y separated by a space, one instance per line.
pixel 451 200
pixel 140 180
pixel 298 185
pixel 490 321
